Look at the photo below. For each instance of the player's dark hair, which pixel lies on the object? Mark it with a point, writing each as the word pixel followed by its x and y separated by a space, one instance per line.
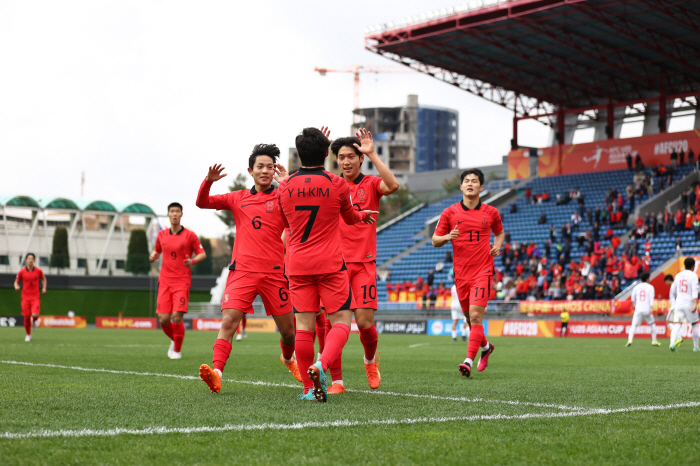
pixel 270 150
pixel 175 204
pixel 312 147
pixel 30 254
pixel 668 277
pixel 644 277
pixel 346 142
pixel 472 171
pixel 689 263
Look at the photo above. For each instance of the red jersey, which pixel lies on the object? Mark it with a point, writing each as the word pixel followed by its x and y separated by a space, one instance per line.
pixel 311 202
pixel 175 247
pixel 30 280
pixel 258 245
pixel 359 241
pixel 472 247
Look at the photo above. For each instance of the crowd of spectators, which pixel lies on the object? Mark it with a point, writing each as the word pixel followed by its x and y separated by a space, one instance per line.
pixel 605 265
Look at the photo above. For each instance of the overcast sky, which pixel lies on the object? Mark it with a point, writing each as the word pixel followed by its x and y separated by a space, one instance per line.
pixel 144 95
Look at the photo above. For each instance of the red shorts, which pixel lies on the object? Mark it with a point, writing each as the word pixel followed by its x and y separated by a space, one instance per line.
pixel 31 306
pixel 363 280
pixel 172 299
pixel 242 288
pixel 474 291
pixel 333 289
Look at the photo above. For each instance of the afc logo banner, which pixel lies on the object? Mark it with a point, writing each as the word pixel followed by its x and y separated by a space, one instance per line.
pixel 270 206
pixel 361 194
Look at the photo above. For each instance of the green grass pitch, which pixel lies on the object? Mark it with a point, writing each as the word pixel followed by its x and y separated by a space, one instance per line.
pixel 541 401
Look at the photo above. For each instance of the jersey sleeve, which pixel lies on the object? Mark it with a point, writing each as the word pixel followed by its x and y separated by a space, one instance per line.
pixel 695 287
pixel 378 186
pixel 651 298
pixel 496 224
pixel 159 247
pixel 443 225
pixel 284 217
pixel 634 296
pixel 672 294
pixel 19 276
pixel 41 274
pixel 196 245
pixel 347 211
pixel 218 202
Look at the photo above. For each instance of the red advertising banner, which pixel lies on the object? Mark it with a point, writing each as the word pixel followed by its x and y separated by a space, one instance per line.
pixel 521 328
pixel 661 307
pixel 612 329
pixel 62 322
pixel 608 154
pixel 572 307
pixel 143 323
pixel 252 325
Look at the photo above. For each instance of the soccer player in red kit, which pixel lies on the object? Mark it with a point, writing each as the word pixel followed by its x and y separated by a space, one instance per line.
pixel 257 265
pixel 359 245
pixel 312 202
pixel 181 249
pixel 29 277
pixel 469 225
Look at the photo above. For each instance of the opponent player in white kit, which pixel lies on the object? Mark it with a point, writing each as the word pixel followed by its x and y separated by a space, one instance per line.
pixel 643 302
pixel 457 315
pixel 684 303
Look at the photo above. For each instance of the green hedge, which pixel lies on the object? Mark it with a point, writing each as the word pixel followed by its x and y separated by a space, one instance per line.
pixel 88 303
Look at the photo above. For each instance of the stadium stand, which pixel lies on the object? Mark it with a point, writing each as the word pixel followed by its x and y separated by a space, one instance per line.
pixel 523 227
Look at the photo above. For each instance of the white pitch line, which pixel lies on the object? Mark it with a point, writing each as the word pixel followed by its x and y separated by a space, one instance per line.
pixel 418 344
pixel 272 384
pixel 320 425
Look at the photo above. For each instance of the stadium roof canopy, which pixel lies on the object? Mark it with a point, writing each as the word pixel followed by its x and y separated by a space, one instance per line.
pixel 60 203
pixel 533 55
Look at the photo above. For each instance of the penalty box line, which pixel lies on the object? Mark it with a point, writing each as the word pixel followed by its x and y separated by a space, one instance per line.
pixel 318 425
pixel 273 384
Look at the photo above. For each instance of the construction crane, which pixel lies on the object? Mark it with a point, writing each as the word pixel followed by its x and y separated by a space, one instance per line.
pixel 357 69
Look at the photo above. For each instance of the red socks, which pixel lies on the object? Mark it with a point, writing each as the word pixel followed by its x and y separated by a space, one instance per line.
pixel 476 336
pixel 336 366
pixel 335 341
pixel 222 350
pixel 178 336
pixel 28 325
pixel 304 346
pixel 369 338
pixel 168 329
pixel 287 351
pixel 321 330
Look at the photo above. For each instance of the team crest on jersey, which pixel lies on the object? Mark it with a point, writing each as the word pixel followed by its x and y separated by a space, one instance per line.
pixel 307 180
pixel 270 206
pixel 484 223
pixel 361 194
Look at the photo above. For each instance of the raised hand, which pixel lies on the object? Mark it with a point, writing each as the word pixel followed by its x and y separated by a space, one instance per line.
pixel 215 173
pixel 281 173
pixel 366 140
pixel 326 132
pixel 453 235
pixel 369 219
